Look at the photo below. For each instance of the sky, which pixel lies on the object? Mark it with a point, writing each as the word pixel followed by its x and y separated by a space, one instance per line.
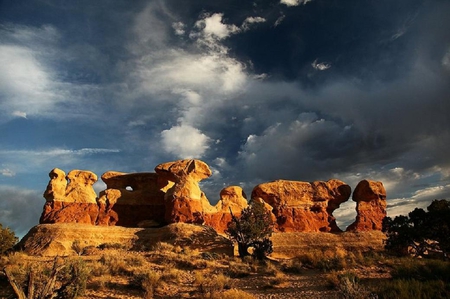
pixel 260 90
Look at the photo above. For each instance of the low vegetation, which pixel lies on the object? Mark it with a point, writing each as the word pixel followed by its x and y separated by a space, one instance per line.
pixel 172 271
pixel 7 239
pixel 252 229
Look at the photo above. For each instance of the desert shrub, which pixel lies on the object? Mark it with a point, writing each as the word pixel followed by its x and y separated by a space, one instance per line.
pixel 171 274
pixel 238 270
pixel 62 279
pixel 163 247
pixel 325 261
pixel 234 294
pixel 102 282
pixel 211 286
pixel 252 229
pixel 78 247
pixel 135 260
pixel 350 287
pixel 149 283
pixel 74 276
pixel 210 256
pixel 7 239
pixel 115 264
pixel 292 266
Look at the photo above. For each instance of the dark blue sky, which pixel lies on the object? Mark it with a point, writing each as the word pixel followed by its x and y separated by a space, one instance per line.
pixel 259 90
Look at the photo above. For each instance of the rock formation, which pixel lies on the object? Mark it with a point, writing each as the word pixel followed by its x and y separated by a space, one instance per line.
pixel 185 202
pixel 301 206
pixel 232 200
pixel 173 195
pixel 70 199
pixel 370 197
pixel 132 199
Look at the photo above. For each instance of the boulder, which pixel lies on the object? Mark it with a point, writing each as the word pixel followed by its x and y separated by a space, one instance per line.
pixel 131 198
pixel 70 199
pixel 232 200
pixel 184 201
pixel 370 197
pixel 302 206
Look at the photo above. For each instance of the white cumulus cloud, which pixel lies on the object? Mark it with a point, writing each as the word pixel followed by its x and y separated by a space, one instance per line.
pixel 185 141
pixel 294 2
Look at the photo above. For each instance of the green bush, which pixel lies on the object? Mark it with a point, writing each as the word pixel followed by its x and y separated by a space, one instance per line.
pixel 7 239
pixel 252 229
pixel 420 233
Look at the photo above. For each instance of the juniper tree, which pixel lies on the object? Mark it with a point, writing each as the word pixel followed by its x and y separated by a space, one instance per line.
pixel 7 239
pixel 252 229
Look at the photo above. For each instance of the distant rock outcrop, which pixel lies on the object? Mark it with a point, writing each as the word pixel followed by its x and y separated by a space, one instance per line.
pixel 370 197
pixel 302 206
pixel 70 199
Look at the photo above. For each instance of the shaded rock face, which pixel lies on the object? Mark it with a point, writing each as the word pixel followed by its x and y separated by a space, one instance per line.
pixel 370 197
pixel 132 198
pixel 71 198
pixel 184 201
pixel 302 206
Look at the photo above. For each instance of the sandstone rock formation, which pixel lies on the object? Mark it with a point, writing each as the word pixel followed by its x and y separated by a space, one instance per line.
pixel 70 199
pixel 232 200
pixel 173 195
pixel 370 197
pixel 132 198
pixel 185 202
pixel 302 206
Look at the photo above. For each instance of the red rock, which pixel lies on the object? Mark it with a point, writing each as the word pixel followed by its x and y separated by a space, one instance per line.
pixel 132 198
pixel 69 212
pixel 72 201
pixel 231 198
pixel 370 197
pixel 302 206
pixel 185 202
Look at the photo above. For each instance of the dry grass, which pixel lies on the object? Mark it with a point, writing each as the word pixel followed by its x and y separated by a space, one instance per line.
pixel 289 245
pixel 176 271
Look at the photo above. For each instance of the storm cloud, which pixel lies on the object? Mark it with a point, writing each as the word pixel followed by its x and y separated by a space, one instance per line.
pixel 262 90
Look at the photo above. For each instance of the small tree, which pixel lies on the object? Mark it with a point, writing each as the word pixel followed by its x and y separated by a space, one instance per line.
pixel 252 229
pixel 420 231
pixel 7 239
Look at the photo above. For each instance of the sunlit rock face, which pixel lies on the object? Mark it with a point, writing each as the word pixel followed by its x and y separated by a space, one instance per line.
pixel 370 197
pixel 132 198
pixel 184 201
pixel 71 198
pixel 302 206
pixel 172 195
pixel 232 200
